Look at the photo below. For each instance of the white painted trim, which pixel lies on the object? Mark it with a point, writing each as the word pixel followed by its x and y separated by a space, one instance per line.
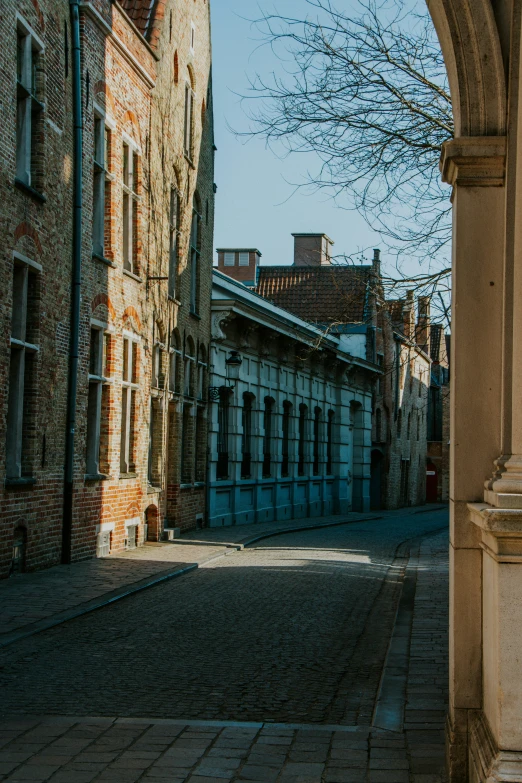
pixel 132 522
pixel 126 139
pixel 105 527
pixel 28 261
pixel 53 125
pixel 29 30
pixel 131 336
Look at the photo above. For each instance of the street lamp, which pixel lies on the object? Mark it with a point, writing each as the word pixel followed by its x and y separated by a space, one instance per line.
pixel 233 365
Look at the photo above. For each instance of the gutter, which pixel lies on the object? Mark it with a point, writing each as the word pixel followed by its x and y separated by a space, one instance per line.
pixel 72 391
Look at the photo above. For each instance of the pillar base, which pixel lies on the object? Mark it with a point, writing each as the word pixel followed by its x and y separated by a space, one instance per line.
pixel 457 749
pixel 487 763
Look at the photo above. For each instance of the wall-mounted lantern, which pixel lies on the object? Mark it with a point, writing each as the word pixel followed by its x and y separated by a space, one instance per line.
pixel 233 365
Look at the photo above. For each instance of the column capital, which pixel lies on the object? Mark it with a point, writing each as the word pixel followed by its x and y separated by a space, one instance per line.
pixel 474 161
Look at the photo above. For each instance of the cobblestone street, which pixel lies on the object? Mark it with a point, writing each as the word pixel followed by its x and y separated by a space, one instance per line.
pixel 330 643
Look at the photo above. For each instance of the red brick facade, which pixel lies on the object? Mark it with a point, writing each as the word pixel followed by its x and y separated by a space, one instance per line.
pixel 134 112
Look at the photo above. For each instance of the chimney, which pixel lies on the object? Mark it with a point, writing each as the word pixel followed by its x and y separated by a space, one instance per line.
pixel 408 316
pixel 422 333
pixel 312 250
pixel 239 263
pixel 376 262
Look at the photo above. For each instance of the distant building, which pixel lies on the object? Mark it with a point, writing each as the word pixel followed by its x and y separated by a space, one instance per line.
pixel 437 468
pixel 348 301
pixel 290 430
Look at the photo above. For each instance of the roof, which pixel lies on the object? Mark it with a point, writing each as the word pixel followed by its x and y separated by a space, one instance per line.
pixel 146 15
pixel 319 294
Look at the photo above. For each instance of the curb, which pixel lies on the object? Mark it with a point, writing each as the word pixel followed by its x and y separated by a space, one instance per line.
pixel 144 584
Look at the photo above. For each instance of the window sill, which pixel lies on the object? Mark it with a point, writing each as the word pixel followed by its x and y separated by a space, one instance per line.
pixel 128 475
pixel 189 161
pixel 133 276
pixel 30 191
pixel 96 477
pixel 151 489
pixel 22 481
pixel 199 484
pixel 98 257
pixel 175 300
pixel 186 486
pixel 194 315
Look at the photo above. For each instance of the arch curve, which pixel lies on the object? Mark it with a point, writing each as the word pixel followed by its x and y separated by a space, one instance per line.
pixel 469 39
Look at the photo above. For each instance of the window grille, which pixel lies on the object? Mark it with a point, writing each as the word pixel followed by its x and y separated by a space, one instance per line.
pixel 229 259
pixel 244 259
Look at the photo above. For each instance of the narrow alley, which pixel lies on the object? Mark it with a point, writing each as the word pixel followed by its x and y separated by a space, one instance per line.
pixel 316 656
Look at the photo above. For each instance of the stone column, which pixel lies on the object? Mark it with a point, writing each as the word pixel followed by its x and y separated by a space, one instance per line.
pixel 475 168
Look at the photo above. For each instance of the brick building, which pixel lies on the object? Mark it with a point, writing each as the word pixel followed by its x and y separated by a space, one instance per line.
pixel 291 433
pixel 348 301
pixel 144 299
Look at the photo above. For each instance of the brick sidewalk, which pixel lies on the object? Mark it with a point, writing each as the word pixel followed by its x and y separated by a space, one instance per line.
pixel 127 750
pixel 35 601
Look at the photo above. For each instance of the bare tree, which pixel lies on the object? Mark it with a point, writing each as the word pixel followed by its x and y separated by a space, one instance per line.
pixel 366 91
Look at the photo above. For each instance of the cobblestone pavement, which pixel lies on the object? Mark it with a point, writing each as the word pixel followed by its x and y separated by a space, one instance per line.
pixel 292 635
pixel 27 600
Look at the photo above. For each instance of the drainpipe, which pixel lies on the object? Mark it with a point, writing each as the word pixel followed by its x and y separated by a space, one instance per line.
pixel 72 391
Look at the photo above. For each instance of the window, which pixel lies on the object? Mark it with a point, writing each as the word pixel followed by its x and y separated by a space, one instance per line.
pixel 28 107
pixel 100 184
pixel 418 426
pixel 187 444
pixel 98 390
pixel 202 368
pixel 230 259
pixel 303 412
pixel 22 378
pixel 329 442
pixel 129 389
pixel 244 259
pixel 192 37
pixel 317 440
pixel 246 436
pixel 222 435
pixel 267 437
pixel 157 377
pixel 408 428
pixel 380 364
pixel 189 120
pixel 175 361
pixel 173 242
pixel 287 412
pixel 195 245
pixel 399 423
pixel 188 380
pixel 155 442
pixel 130 209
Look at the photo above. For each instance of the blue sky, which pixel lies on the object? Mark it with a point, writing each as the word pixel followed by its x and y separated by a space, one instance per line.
pixel 255 206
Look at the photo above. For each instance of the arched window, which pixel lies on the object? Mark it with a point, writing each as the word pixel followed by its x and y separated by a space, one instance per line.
pixel 329 442
pixel 189 117
pixel 267 437
pixel 195 252
pixel 173 240
pixel 317 440
pixel 303 413
pixel 246 435
pixel 202 369
pixel 287 412
pixel 222 435
pixel 188 369
pixel 175 361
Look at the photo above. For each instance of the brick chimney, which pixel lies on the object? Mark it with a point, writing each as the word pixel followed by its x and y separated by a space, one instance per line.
pixel 376 262
pixel 312 250
pixel 408 316
pixel 239 263
pixel 422 332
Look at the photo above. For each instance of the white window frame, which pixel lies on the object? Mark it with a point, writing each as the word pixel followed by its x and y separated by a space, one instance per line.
pixel 17 370
pixel 129 387
pixel 244 259
pixel 129 181
pixel 229 259
pixel 100 179
pixel 97 380
pixel 27 102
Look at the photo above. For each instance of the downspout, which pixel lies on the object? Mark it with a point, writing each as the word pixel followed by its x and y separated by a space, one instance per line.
pixel 72 391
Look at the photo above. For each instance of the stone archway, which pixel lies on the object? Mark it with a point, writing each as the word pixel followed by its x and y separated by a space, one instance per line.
pixel 480 41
